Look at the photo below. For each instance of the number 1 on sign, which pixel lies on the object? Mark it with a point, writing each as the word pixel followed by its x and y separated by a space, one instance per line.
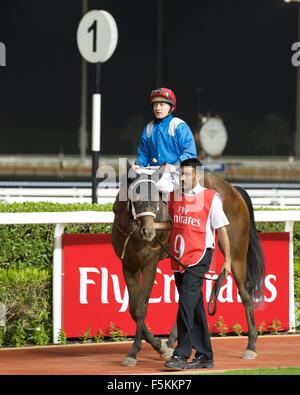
pixel 93 28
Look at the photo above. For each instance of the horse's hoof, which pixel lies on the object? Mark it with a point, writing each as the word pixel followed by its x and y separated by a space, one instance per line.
pixel 249 354
pixel 128 361
pixel 165 351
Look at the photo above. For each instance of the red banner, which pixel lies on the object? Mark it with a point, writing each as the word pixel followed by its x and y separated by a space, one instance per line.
pixel 95 294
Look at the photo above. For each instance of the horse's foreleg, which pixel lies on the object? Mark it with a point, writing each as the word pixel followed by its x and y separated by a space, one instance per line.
pixel 132 279
pixel 138 303
pixel 160 346
pixel 148 277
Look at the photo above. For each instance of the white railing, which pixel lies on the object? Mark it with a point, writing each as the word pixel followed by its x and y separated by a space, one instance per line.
pixel 57 195
pixel 60 219
pixel 260 197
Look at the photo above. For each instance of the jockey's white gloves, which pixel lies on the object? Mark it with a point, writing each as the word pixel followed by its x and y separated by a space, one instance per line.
pixel 136 167
pixel 166 187
pixel 170 168
pixel 166 183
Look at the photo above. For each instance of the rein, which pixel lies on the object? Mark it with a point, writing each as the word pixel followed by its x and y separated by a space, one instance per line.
pixel 214 294
pixel 161 243
pixel 128 235
pixel 216 288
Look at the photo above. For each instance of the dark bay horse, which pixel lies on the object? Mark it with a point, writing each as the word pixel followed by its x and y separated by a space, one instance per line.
pixel 133 236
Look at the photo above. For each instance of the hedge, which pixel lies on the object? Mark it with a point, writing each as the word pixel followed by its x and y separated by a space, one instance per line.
pixel 32 245
pixel 26 294
pixel 26 256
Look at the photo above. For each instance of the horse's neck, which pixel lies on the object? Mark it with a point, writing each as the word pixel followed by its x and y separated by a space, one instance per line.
pixel 120 209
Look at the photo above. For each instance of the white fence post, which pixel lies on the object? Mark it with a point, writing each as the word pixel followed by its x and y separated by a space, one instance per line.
pixel 57 282
pixel 289 227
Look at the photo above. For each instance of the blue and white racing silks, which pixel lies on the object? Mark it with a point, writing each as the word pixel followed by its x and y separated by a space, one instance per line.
pixel 169 140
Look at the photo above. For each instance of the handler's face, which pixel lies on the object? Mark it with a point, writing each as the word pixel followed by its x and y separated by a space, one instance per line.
pixel 189 178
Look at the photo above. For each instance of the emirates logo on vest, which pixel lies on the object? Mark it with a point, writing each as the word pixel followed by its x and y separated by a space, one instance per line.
pixel 190 215
pixel 183 217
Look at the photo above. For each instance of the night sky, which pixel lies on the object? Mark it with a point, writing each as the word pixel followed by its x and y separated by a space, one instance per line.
pixel 228 57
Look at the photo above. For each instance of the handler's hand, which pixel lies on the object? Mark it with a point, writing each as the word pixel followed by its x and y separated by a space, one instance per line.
pixel 226 268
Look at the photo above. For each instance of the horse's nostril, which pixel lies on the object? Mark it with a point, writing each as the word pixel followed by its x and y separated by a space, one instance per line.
pixel 147 232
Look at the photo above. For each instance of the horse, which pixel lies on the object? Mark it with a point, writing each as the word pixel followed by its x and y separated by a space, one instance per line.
pixel 137 221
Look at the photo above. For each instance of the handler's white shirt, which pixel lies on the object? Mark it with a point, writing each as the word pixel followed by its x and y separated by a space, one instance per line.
pixel 216 219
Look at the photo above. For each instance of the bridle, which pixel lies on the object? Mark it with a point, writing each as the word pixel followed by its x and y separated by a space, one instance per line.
pixel 136 225
pixel 131 199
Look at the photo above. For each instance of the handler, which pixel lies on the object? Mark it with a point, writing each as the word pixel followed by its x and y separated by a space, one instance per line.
pixel 166 140
pixel 196 212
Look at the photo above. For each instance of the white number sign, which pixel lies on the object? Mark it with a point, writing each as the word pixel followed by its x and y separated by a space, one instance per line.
pixel 97 36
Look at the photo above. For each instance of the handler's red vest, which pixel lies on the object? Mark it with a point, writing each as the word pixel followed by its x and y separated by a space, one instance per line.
pixel 189 219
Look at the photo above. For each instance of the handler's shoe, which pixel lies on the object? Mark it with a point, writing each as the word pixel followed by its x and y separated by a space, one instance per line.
pixel 200 361
pixel 177 362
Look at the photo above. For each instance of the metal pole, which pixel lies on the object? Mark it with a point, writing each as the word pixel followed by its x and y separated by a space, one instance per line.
pixel 159 43
pixel 96 133
pixel 297 134
pixel 83 121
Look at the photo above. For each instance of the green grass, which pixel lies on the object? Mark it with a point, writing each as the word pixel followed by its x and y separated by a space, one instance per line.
pixel 261 372
pixel 294 371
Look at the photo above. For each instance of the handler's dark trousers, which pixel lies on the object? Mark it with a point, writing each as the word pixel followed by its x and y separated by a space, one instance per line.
pixel 191 317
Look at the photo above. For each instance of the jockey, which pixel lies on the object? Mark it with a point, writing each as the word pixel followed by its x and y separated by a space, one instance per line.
pixel 166 140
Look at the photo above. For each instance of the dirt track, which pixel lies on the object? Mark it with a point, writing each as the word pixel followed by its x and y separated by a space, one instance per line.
pixel 105 358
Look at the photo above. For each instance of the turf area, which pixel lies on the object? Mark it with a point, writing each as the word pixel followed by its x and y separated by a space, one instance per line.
pixel 261 371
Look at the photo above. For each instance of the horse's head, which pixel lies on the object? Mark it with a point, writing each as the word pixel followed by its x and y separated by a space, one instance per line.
pixel 144 201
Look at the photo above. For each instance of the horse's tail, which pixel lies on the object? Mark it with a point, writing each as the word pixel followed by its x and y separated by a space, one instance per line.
pixel 255 259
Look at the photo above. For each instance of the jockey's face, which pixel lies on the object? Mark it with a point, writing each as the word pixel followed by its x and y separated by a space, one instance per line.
pixel 161 109
pixel 189 178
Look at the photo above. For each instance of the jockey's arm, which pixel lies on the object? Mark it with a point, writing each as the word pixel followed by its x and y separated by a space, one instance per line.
pixel 186 142
pixel 143 156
